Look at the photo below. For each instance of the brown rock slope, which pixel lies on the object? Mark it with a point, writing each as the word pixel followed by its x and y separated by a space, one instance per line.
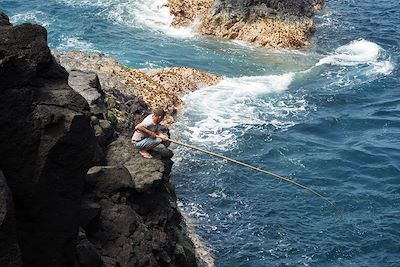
pixel 161 88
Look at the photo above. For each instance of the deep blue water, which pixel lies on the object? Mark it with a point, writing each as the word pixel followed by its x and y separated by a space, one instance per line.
pixel 327 117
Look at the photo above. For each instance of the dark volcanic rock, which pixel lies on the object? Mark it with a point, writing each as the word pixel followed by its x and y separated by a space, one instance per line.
pixel 46 145
pixel 123 214
pixel 244 8
pixel 4 21
pixel 87 84
pixel 87 253
pixel 23 54
pixel 10 255
pixel 139 224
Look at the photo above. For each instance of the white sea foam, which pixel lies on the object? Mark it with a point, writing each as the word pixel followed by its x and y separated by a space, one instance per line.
pixel 357 53
pixel 151 14
pixel 222 112
pixel 239 102
pixel 155 15
pixel 383 67
pixel 32 16
pixel 76 43
pixel 86 3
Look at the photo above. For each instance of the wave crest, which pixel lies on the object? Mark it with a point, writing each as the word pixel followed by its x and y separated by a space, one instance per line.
pixel 360 52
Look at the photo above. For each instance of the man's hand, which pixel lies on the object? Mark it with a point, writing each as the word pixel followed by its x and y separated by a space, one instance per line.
pixel 163 137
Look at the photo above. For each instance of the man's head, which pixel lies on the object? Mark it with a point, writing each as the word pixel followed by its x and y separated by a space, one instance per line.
pixel 158 115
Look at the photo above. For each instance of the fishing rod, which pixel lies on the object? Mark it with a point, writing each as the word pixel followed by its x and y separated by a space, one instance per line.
pixel 254 168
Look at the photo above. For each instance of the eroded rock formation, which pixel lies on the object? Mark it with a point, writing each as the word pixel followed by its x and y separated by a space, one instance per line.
pixel 129 215
pixel 73 189
pixel 270 23
pixel 46 145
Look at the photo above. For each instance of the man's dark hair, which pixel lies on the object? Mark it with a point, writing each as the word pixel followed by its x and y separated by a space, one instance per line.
pixel 159 112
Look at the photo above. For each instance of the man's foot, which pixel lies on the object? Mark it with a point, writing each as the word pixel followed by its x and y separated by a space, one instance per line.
pixel 145 154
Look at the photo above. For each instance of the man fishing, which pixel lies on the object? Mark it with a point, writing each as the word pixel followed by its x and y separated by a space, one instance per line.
pixel 147 133
pixel 147 136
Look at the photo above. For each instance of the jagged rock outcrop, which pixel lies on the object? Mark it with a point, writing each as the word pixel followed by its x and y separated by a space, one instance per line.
pixel 137 90
pixel 46 145
pixel 186 12
pixel 53 211
pixel 87 84
pixel 270 23
pixel 131 215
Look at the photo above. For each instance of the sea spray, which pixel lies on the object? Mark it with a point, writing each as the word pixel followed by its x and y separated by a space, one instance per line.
pixel 360 52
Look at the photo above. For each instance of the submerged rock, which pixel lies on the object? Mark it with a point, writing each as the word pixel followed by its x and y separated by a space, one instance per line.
pixel 270 23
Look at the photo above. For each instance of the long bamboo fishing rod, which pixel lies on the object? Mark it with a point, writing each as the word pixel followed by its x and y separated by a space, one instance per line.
pixel 256 169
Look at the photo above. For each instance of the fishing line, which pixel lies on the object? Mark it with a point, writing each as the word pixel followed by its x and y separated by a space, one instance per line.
pixel 281 178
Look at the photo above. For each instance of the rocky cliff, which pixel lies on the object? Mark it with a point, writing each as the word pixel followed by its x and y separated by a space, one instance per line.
pixel 162 88
pixel 73 190
pixel 46 147
pixel 270 23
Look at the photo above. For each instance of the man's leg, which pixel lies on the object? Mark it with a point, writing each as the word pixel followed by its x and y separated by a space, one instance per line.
pixel 146 144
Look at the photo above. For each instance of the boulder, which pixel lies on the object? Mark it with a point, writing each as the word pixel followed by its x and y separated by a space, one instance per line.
pixel 108 180
pixel 87 85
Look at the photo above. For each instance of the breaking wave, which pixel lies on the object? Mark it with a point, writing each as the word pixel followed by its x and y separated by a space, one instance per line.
pixel 360 52
pixel 219 114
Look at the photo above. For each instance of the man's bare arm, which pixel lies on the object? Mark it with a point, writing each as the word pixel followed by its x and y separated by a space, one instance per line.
pixel 143 129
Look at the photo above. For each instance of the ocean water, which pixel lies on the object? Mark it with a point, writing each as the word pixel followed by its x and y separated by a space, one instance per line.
pixel 327 117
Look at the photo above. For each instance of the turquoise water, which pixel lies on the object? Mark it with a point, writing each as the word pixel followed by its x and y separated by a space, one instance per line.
pixel 327 117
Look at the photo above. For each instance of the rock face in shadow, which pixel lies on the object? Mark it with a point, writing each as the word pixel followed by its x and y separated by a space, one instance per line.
pixel 46 145
pixel 270 23
pixel 73 189
pixel 10 253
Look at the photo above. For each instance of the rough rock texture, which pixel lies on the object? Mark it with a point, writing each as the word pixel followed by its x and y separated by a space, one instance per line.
pixel 128 214
pixel 186 12
pixel 270 23
pixel 139 89
pixel 123 179
pixel 182 80
pixel 10 254
pixel 53 211
pixel 87 85
pixel 131 216
pixel 46 145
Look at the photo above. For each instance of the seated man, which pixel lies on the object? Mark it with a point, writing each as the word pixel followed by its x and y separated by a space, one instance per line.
pixel 147 134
